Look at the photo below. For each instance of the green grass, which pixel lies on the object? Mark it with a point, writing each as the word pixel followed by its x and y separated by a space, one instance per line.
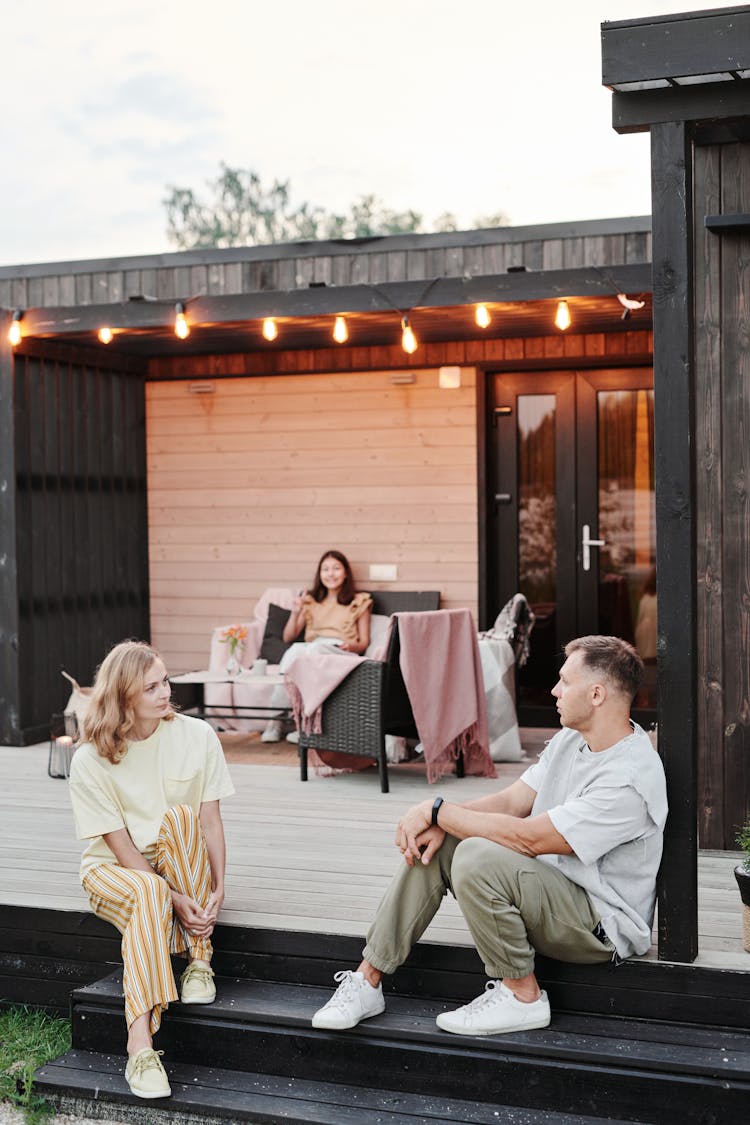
pixel 28 1039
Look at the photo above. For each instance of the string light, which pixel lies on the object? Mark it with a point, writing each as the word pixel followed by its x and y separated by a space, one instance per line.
pixel 181 327
pixel 14 332
pixel 482 316
pixel 408 339
pixel 562 316
pixel 270 331
pixel 340 331
pixel 105 335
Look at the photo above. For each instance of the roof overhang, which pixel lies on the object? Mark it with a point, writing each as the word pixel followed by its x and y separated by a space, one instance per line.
pixel 693 66
pixel 520 304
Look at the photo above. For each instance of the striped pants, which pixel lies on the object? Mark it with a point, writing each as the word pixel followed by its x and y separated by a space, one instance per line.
pixel 139 904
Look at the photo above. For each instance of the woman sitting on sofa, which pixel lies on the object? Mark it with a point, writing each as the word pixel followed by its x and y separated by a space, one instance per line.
pixel 330 612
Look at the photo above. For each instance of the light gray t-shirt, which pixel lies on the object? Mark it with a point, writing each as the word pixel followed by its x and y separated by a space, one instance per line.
pixel 610 807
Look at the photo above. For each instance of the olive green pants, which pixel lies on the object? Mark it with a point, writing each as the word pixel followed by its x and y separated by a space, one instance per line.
pixel 515 906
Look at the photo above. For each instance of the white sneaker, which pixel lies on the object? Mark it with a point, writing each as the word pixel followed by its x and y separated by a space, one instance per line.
pixel 355 999
pixel 496 1011
pixel 273 731
pixel 293 736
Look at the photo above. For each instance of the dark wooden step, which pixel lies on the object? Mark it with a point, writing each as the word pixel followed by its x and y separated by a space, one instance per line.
pixel 580 1064
pixel 53 947
pixel 91 1079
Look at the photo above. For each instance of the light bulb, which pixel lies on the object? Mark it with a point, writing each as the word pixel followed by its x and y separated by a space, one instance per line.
pixel 408 339
pixel 14 333
pixel 562 316
pixel 482 316
pixel 340 331
pixel 270 331
pixel 181 327
pixel 105 335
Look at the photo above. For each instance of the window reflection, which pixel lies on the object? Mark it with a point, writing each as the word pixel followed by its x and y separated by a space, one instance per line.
pixel 537 509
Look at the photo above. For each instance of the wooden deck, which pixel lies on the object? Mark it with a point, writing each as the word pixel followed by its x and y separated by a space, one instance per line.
pixel 310 857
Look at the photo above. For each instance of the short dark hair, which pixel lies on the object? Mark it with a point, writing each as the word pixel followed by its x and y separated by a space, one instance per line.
pixel 612 658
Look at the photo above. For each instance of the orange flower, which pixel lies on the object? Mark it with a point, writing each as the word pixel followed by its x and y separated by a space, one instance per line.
pixel 235 636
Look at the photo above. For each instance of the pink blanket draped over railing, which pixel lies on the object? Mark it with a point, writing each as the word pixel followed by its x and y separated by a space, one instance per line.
pixel 442 671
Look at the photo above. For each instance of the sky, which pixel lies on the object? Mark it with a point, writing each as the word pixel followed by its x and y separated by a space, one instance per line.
pixel 468 106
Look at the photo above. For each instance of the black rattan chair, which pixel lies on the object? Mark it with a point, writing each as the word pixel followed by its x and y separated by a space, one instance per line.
pixel 372 701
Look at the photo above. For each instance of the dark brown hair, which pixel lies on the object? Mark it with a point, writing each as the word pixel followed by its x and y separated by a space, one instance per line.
pixel 613 659
pixel 346 593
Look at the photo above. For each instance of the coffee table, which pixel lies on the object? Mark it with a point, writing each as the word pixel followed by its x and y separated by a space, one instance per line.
pixel 197 706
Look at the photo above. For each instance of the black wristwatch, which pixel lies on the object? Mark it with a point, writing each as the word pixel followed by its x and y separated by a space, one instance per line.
pixel 435 810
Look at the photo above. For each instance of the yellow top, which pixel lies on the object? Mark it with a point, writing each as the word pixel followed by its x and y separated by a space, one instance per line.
pixel 323 619
pixel 181 763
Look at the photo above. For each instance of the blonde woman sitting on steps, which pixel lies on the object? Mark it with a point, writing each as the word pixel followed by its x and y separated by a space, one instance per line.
pixel 145 786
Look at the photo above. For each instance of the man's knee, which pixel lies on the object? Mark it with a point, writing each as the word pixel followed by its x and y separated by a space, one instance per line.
pixel 476 860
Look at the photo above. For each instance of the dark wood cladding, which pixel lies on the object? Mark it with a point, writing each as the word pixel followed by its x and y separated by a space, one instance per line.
pixel 533 352
pixel 81 525
pixel 722 185
pixel 671 165
pixel 283 268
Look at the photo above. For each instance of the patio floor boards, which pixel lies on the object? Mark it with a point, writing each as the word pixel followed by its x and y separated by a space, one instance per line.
pixel 312 857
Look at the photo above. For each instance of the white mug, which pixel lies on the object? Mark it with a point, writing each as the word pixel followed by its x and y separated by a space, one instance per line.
pixel 259 667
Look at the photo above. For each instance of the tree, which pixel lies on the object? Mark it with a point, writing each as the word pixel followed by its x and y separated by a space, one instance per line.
pixel 242 212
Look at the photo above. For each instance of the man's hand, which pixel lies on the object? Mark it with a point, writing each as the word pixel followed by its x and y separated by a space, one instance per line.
pixel 430 841
pixel 192 917
pixel 412 825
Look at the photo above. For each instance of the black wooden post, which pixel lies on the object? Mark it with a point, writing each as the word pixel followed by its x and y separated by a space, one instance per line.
pixel 672 189
pixel 9 694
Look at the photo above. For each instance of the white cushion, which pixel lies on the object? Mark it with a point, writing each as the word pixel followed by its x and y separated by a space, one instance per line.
pixel 378 631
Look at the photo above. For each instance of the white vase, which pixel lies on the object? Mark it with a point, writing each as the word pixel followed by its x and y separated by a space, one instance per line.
pixel 233 666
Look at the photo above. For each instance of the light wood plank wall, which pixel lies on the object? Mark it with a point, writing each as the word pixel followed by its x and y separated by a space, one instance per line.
pixel 248 485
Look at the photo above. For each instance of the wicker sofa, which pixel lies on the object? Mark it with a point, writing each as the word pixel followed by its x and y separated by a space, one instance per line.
pixel 372 701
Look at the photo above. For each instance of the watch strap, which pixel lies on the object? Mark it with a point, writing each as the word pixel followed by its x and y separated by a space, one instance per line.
pixel 435 810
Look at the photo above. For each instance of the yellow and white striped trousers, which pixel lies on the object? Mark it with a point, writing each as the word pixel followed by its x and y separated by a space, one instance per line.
pixel 139 904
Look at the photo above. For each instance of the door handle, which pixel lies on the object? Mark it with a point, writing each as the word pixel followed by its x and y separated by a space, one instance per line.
pixel 586 544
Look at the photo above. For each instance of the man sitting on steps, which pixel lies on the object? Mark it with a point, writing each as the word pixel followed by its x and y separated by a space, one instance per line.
pixel 562 862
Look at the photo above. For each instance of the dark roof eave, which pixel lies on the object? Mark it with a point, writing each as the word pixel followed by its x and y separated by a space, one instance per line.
pixel 329 300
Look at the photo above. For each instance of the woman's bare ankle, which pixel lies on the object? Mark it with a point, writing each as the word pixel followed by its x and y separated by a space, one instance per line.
pixel 372 975
pixel 139 1035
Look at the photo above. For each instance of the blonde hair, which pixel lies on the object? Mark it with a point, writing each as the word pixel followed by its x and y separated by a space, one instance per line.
pixel 119 681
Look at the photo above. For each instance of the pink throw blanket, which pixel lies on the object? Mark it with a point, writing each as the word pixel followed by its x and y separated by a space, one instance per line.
pixel 442 671
pixel 311 678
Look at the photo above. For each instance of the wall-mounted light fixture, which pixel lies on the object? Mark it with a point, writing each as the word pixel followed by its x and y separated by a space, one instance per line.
pixel 449 378
pixel 628 304
pixel 270 330
pixel 340 331
pixel 105 334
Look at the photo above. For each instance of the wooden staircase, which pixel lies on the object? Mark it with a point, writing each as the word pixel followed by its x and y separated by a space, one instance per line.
pixel 656 1044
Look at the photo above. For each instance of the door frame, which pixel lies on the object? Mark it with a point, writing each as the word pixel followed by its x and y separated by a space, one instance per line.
pixel 573 473
pixel 484 372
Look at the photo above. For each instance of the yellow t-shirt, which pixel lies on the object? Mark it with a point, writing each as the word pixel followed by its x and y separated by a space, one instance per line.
pixel 182 763
pixel 323 619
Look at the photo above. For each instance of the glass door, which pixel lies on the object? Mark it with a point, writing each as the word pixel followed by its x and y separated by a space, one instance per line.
pixel 572 522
